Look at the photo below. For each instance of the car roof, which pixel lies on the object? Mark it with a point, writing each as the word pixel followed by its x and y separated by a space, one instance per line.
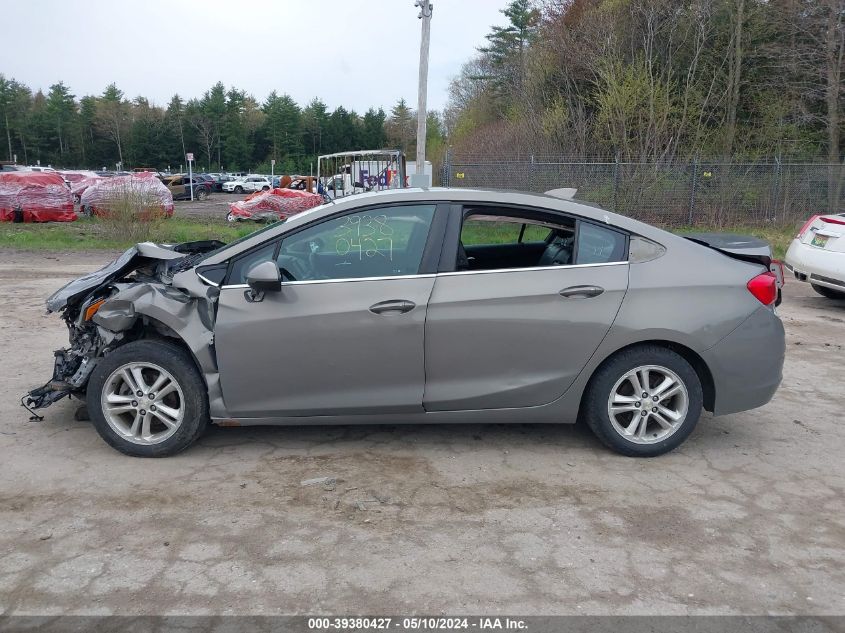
pixel 458 195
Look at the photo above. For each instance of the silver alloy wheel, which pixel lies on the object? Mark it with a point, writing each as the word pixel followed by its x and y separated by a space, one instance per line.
pixel 648 404
pixel 143 403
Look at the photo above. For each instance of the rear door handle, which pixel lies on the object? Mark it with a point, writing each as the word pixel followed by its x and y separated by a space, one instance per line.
pixel 393 306
pixel 581 292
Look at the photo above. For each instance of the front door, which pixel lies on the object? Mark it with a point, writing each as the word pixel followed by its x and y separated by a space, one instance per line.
pixel 345 335
pixel 507 333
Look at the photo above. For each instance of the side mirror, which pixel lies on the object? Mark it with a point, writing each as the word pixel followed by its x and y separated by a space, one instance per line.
pixel 264 277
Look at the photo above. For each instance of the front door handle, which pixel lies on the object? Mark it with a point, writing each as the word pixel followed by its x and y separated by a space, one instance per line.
pixel 581 292
pixel 393 306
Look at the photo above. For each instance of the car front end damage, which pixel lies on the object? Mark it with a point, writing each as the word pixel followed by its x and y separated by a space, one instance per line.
pixel 150 291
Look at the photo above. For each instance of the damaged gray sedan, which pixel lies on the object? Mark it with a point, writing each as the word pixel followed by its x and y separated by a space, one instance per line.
pixel 421 306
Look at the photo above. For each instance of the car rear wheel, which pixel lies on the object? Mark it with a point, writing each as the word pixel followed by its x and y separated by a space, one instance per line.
pixel 202 194
pixel 830 293
pixel 239 189
pixel 147 399
pixel 644 401
pixel 265 188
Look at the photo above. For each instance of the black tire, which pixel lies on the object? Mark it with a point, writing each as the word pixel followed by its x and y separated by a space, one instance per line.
pixel 594 405
pixel 239 189
pixel 179 364
pixel 202 194
pixel 265 188
pixel 830 293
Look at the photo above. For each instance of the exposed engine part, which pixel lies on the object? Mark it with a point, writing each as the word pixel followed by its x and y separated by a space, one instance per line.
pixel 132 297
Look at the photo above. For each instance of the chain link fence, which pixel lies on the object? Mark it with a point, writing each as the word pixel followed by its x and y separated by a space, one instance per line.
pixel 710 193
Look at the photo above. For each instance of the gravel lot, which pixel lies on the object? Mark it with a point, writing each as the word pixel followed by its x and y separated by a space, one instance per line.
pixel 747 517
pixel 215 207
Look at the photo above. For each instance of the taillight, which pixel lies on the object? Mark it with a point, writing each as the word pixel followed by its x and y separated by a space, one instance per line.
pixel 833 220
pixel 764 287
pixel 806 227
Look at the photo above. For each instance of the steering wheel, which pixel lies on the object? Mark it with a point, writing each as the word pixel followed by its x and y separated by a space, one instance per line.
pixel 293 267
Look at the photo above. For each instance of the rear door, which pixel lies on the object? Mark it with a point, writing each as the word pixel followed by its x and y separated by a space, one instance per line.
pixel 510 334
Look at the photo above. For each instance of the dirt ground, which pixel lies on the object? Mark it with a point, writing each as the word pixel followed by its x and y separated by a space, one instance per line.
pixel 748 516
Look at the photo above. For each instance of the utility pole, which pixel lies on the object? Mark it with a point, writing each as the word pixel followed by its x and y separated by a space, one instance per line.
pixel 420 178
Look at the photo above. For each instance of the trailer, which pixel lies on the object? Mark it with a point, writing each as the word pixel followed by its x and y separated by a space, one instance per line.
pixel 347 173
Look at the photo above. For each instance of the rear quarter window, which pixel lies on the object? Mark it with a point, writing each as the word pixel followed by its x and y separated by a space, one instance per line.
pixel 600 245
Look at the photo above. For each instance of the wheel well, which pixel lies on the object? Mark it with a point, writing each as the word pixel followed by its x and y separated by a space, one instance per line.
pixel 708 389
pixel 148 328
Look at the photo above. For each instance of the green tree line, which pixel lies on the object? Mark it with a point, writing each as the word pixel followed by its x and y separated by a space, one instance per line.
pixel 657 80
pixel 226 129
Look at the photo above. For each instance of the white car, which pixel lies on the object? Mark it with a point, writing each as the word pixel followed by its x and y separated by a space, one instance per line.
pixel 817 255
pixel 249 183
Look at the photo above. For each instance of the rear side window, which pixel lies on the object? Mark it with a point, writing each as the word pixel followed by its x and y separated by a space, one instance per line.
pixel 599 245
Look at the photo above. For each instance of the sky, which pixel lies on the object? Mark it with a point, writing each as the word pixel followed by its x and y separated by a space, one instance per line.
pixel 357 54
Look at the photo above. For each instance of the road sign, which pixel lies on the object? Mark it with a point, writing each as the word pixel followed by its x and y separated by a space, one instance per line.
pixel 272 162
pixel 189 156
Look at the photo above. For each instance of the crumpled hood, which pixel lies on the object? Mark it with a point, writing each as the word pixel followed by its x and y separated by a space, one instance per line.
pixel 131 259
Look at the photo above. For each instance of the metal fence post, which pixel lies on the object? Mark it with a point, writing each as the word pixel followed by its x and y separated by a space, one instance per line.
pixel 775 191
pixel 616 184
pixel 693 184
pixel 446 170
pixel 532 181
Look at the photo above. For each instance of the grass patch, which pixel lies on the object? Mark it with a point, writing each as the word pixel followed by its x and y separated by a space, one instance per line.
pixel 91 234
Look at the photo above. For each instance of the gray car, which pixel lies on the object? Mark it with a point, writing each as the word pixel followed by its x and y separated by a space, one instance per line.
pixel 423 306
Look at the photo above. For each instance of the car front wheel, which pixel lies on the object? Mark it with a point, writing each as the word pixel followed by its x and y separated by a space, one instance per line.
pixel 644 401
pixel 830 293
pixel 147 399
pixel 239 189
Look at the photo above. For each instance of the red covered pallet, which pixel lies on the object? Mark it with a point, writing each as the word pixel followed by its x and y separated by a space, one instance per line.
pixel 39 196
pixel 273 205
pixel 145 190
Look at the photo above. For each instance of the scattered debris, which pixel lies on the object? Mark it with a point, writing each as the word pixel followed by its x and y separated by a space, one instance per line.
pixel 350 489
pixel 360 505
pixel 328 481
pixel 46 537
pixel 81 413
pixel 243 485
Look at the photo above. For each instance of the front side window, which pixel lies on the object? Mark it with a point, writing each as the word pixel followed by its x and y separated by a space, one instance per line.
pixel 380 242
